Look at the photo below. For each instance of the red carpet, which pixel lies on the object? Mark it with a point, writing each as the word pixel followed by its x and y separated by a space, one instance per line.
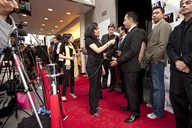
pixel 111 117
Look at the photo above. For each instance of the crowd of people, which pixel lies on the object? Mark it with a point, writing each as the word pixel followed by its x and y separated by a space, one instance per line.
pixel 130 55
pixel 126 58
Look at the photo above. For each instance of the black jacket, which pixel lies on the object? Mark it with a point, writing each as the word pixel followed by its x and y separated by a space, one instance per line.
pixel 130 51
pixel 179 47
pixel 112 48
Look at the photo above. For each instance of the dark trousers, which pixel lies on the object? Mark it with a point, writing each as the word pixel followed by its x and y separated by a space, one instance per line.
pixel 95 87
pixel 131 91
pixel 68 77
pixel 107 67
pixel 181 98
pixel 140 84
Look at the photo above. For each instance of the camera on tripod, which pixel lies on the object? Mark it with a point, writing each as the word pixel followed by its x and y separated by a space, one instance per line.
pixel 20 30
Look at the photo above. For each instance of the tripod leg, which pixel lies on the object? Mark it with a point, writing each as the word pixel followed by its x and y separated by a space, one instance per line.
pixel 8 117
pixel 26 88
pixel 30 84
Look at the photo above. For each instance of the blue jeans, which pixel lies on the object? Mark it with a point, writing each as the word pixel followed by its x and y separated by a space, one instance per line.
pixel 157 87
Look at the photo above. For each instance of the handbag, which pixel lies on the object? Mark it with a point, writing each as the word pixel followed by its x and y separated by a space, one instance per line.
pixel 23 100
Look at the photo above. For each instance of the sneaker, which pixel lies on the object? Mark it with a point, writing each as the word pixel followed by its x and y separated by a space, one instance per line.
pixel 149 105
pixel 63 98
pixel 152 116
pixel 99 108
pixel 96 114
pixel 73 95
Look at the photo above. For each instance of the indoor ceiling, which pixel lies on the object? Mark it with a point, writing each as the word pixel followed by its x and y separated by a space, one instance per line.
pixel 36 24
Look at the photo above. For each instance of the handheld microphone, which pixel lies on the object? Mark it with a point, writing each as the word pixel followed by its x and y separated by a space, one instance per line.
pixel 116 35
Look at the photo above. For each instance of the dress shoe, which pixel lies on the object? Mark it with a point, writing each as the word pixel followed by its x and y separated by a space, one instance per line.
pixel 125 108
pixel 131 119
pixel 111 89
pixel 119 92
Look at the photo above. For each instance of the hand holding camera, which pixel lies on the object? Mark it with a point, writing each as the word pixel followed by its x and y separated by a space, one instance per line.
pixel 7 6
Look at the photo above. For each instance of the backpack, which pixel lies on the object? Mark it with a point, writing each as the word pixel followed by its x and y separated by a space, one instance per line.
pixel 7 104
pixel 31 122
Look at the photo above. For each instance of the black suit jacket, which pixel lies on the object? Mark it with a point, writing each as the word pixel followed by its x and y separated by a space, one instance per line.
pixel 130 48
pixel 111 51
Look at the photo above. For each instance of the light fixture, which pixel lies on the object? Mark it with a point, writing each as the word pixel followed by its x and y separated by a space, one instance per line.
pixel 56 26
pixel 43 24
pixel 24 15
pixel 50 9
pixel 39 32
pixel 25 22
pixel 52 30
pixel 68 13
pixel 41 29
pixel 61 21
pixel 49 33
pixel 45 18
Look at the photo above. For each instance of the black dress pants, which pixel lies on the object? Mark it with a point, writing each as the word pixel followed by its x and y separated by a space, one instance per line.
pixel 131 91
pixel 181 98
pixel 95 86
pixel 68 77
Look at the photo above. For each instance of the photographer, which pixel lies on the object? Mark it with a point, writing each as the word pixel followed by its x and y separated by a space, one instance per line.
pixel 7 24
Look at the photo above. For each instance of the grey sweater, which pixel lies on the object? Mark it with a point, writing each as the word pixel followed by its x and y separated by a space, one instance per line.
pixel 5 32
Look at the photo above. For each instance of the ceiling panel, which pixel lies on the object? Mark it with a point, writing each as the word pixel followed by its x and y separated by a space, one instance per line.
pixel 60 7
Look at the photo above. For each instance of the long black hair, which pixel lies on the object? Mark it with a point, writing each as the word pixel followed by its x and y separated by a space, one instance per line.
pixel 89 32
pixel 65 38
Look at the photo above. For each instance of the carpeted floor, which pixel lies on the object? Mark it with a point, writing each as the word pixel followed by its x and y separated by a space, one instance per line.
pixel 111 117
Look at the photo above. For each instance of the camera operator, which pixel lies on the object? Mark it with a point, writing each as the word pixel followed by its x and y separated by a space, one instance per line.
pixel 7 24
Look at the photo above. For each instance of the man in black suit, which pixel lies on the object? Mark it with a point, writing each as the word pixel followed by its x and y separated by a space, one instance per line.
pixel 130 65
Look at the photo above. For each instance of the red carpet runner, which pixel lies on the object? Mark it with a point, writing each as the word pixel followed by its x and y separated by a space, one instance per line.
pixel 111 117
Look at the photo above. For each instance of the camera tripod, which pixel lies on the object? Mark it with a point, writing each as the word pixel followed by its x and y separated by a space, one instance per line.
pixel 19 65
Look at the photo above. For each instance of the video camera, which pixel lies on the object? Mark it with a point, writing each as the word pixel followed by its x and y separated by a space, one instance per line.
pixel 24 7
pixel 20 30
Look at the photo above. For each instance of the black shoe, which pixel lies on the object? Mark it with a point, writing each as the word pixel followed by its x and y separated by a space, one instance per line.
pixel 104 86
pixel 131 119
pixel 120 92
pixel 110 89
pixel 124 108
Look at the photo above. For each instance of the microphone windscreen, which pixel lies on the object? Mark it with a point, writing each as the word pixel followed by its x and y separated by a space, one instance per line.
pixel 116 34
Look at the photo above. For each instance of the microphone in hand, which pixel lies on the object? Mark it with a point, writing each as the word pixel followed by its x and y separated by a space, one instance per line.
pixel 116 35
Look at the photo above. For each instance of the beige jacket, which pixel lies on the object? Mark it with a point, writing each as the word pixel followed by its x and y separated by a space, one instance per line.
pixel 158 39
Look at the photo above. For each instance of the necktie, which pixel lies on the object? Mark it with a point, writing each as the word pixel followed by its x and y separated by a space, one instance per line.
pixel 119 44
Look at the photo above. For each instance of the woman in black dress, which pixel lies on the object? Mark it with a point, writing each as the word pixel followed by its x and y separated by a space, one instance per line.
pixel 94 64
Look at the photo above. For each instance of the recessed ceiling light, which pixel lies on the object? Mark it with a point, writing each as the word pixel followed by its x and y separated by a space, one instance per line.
pixel 45 18
pixel 39 32
pixel 50 9
pixel 61 21
pixel 25 22
pixel 68 13
pixel 41 29
pixel 56 26
pixel 52 30
pixel 49 33
pixel 24 15
pixel 43 24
